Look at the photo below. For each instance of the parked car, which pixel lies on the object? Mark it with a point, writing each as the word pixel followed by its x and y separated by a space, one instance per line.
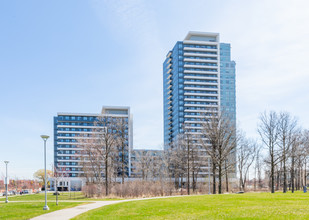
pixel 25 191
pixel 9 193
pixel 13 192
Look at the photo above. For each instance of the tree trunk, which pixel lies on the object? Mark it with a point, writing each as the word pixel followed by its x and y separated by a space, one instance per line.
pixel 226 178
pixel 106 176
pixel 284 174
pixel 188 170
pixel 214 178
pixel 227 182
pixel 240 182
pixel 122 165
pixel 272 173
pixel 193 180
pixel 278 180
pixel 220 178
pixel 305 173
pixel 292 173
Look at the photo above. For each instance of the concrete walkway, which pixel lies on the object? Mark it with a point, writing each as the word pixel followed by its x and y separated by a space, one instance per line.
pixel 66 214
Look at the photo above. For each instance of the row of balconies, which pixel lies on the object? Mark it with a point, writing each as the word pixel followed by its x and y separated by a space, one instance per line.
pixel 200 105
pixel 203 89
pixel 200 83
pixel 199 100
pixel 200 49
pixel 199 54
pixel 201 72
pixel 199 60
pixel 200 77
pixel 200 66
pixel 200 94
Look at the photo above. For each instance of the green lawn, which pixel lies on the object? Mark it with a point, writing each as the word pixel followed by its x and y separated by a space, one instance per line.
pixel 229 206
pixel 50 197
pixel 19 210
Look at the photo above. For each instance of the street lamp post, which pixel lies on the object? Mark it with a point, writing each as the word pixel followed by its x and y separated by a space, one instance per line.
pixel 6 181
pixel 45 137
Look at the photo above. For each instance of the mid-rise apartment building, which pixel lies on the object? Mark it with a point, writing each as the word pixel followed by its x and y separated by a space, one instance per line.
pixel 69 128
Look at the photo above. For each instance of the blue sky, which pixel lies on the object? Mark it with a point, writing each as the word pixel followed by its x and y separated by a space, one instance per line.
pixel 76 56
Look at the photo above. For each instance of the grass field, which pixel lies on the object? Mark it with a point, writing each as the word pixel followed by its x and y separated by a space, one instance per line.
pixel 28 206
pixel 229 206
pixel 50 197
pixel 20 210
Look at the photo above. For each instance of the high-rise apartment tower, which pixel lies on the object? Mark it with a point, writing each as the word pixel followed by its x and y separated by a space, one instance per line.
pixel 198 77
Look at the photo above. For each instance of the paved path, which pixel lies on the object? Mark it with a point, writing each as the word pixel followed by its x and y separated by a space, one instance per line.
pixel 66 214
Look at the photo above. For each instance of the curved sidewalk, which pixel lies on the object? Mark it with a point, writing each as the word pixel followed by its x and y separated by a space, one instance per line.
pixel 66 214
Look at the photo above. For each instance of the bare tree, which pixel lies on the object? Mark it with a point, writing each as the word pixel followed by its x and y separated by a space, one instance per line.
pixel 298 157
pixel 58 175
pixel 295 150
pixel 305 142
pixel 188 141
pixel 122 128
pixel 258 168
pixel 177 167
pixel 91 160
pixel 246 153
pixel 99 149
pixel 218 138
pixel 268 130
pixel 106 136
pixel 142 164
pixel 286 128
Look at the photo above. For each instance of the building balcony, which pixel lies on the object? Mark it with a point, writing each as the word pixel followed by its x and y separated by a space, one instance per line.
pixel 67 155
pixel 199 105
pixel 200 60
pixel 203 89
pixel 200 100
pixel 64 148
pixel 201 94
pixel 199 49
pixel 200 77
pixel 200 83
pixel 197 116
pixel 69 160
pixel 202 72
pixel 200 66
pixel 74 166
pixel 199 55
pixel 210 109
pixel 210 43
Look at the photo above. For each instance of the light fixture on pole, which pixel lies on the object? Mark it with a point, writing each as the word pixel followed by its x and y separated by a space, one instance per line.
pixel 6 181
pixel 45 137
